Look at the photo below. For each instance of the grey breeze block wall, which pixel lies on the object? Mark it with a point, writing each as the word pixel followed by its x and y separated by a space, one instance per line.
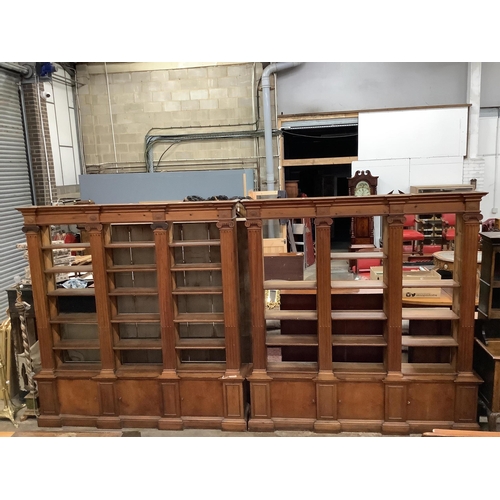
pixel 188 100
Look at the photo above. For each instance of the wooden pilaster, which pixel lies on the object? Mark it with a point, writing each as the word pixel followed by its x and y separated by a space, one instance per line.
pixel 392 238
pixel 163 276
pixel 324 294
pixel 465 271
pixel 230 297
pixel 256 270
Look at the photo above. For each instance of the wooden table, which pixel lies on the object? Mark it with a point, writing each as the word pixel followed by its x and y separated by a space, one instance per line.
pixel 444 260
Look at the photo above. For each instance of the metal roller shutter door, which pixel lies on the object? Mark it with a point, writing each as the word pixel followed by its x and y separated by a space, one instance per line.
pixel 15 187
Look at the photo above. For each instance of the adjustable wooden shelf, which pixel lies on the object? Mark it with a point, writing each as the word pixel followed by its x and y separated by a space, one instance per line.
pixel 345 364
pixel 161 342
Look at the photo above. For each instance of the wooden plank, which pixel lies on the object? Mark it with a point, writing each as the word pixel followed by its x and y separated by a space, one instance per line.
pixel 428 341
pixel 74 318
pixel 293 340
pixel 133 291
pixel 357 255
pixel 130 244
pixel 342 160
pixel 197 290
pixel 427 369
pixel 72 292
pixel 68 269
pixel 137 344
pixel 132 268
pixel 279 315
pixel 208 343
pixel 199 318
pixel 210 266
pixel 136 318
pixel 359 284
pixel 68 246
pixel 359 340
pixel 77 344
pixel 194 243
pixel 359 315
pixel 428 313
pixel 292 366
pixel 289 285
pixel 459 433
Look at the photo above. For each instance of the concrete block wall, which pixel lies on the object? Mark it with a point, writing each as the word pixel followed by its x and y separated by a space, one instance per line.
pixel 127 104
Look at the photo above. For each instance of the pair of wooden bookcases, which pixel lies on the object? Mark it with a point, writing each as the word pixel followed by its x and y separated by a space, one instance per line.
pixel 172 334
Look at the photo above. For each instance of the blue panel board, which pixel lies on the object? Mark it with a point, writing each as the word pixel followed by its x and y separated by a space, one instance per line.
pixel 164 186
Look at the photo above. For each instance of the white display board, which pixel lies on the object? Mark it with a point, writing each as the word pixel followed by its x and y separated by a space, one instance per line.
pixel 414 133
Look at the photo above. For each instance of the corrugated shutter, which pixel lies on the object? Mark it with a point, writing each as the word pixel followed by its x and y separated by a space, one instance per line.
pixel 15 188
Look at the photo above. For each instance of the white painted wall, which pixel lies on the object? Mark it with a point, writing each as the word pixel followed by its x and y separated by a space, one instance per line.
pixel 489 149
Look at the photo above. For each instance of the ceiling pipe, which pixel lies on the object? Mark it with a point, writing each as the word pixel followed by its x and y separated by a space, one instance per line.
pixel 22 69
pixel 266 101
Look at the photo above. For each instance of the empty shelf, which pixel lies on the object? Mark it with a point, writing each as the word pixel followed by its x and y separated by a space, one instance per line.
pixel 136 318
pixel 289 285
pixel 199 318
pixel 358 340
pixel 138 344
pixel 428 341
pixel 359 315
pixel 195 243
pixel 291 340
pixel 197 290
pixel 199 343
pixel 279 315
pixel 428 313
pixel 78 318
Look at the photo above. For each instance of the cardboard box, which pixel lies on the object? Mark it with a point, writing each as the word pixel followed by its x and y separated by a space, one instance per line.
pixel 377 273
pixel 428 274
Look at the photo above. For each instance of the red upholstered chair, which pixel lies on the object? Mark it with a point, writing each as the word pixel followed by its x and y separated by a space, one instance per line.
pixel 449 221
pixel 362 267
pixel 410 234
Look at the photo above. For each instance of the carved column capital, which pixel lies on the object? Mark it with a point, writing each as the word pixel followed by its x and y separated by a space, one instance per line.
pixel 225 224
pixel 472 217
pixel 396 219
pixel 162 226
pixel 93 228
pixel 31 228
pixel 253 224
pixel 323 221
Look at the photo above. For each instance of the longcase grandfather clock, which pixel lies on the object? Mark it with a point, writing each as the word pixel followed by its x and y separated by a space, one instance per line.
pixel 362 184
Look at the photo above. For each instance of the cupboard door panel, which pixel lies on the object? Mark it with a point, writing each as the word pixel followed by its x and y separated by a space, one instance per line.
pixel 361 400
pixel 201 398
pixel 293 399
pixel 428 401
pixel 78 397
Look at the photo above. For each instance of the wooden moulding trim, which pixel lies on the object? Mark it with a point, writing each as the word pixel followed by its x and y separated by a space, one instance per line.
pixel 202 422
pixel 145 213
pixel 353 113
pixel 341 206
pixel 138 371
pixel 305 424
pixel 319 161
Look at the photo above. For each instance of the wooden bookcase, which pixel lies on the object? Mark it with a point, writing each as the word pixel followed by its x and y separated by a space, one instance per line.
pixel 347 363
pixel 159 340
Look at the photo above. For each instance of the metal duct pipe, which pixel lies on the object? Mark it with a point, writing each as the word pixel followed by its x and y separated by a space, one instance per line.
pixel 17 68
pixel 266 101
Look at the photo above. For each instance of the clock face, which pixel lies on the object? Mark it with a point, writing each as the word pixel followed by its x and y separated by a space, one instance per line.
pixel 362 189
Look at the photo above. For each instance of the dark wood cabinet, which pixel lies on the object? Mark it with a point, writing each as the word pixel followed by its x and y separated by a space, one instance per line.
pixel 489 284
